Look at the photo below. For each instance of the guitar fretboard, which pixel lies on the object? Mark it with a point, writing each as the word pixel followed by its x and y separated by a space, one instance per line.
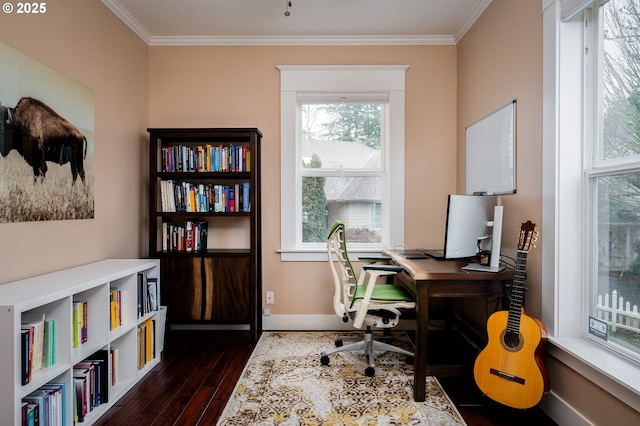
pixel 517 293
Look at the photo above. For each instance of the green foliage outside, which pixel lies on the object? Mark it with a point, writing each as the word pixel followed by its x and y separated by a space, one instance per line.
pixel 348 122
pixel 314 206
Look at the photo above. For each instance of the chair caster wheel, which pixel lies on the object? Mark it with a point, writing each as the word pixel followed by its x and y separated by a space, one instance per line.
pixel 410 360
pixel 324 360
pixel 369 371
pixel 339 343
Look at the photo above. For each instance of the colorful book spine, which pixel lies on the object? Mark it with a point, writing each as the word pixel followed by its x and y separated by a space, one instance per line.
pixel 206 158
pixel 80 328
pixel 34 343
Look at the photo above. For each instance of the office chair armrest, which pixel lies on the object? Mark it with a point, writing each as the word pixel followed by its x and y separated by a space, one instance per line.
pixel 378 270
pixel 374 271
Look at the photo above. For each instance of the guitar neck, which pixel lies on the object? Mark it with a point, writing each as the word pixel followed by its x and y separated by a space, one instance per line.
pixel 517 292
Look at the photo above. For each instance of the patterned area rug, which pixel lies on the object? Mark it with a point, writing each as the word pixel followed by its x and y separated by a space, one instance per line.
pixel 285 384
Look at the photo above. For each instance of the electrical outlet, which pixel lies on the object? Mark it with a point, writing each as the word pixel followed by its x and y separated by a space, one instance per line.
pixel 270 297
pixel 267 312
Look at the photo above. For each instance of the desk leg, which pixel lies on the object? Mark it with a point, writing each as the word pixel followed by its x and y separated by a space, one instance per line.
pixel 422 328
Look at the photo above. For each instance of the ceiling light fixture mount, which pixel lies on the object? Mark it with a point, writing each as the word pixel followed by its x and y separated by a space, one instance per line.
pixel 286 12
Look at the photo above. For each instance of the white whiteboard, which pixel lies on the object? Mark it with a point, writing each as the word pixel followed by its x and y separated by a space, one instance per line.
pixel 491 153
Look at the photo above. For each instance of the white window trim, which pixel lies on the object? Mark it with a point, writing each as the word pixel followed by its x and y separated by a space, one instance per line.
pixel 348 79
pixel 564 243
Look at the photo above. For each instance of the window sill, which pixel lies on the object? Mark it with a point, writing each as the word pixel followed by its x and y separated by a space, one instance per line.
pixel 617 376
pixel 319 255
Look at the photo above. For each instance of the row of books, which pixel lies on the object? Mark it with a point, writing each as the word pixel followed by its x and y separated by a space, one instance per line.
pixel 204 197
pixel 46 406
pixel 192 237
pixel 146 342
pixel 37 344
pixel 147 288
pixel 206 158
pixel 91 379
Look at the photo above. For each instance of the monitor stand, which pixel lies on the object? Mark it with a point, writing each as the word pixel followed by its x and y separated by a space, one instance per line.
pixel 496 239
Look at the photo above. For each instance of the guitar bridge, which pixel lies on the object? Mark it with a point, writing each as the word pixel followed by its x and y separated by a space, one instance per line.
pixel 506 376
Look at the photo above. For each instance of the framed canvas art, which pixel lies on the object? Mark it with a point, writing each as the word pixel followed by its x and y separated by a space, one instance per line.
pixel 47 148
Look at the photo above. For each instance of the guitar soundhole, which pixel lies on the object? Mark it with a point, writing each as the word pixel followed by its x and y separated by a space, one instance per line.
pixel 511 341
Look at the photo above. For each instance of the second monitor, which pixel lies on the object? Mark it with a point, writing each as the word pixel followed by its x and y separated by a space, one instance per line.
pixel 467 227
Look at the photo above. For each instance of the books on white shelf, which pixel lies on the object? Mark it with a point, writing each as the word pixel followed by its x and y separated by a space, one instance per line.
pixel 37 340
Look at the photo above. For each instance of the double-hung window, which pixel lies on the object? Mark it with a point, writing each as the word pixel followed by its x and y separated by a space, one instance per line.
pixel 591 186
pixel 342 157
pixel 612 173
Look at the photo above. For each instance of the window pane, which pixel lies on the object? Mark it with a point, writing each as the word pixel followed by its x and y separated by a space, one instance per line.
pixel 618 264
pixel 351 200
pixel 376 216
pixel 620 130
pixel 342 135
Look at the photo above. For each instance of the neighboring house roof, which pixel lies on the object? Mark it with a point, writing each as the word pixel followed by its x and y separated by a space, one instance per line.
pixel 342 155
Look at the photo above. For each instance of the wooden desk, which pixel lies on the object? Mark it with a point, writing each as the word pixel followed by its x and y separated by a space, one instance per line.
pixel 425 278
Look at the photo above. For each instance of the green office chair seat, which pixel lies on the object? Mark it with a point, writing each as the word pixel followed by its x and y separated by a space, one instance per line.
pixel 383 293
pixel 367 304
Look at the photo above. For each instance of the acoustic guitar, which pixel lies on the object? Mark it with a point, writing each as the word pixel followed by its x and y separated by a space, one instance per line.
pixel 509 369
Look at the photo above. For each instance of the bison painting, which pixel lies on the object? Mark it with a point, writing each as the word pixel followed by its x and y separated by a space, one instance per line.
pixel 41 135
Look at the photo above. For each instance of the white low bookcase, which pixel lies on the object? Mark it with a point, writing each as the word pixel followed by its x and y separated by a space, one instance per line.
pixel 53 295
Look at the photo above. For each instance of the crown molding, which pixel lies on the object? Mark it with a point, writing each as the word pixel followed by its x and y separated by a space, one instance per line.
pixel 471 19
pixel 299 40
pixel 129 20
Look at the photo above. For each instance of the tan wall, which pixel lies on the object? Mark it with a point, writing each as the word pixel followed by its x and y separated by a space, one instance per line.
pixel 499 60
pixel 85 41
pixel 240 86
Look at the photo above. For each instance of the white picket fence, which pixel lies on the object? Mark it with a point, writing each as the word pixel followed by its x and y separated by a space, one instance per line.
pixel 618 313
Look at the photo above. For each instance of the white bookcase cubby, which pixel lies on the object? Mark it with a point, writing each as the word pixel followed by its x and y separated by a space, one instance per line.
pixel 53 295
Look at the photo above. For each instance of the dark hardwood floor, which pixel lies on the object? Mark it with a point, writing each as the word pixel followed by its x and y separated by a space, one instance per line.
pixel 199 369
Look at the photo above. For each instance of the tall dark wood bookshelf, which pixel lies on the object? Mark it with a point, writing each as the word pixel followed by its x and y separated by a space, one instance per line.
pixel 215 284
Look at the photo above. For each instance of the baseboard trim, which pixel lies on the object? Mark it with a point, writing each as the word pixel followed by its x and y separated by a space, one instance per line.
pixel 561 412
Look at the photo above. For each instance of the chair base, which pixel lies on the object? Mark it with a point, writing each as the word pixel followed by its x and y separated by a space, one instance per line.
pixel 369 345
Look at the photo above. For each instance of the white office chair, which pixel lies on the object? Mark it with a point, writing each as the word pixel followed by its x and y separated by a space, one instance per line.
pixel 369 305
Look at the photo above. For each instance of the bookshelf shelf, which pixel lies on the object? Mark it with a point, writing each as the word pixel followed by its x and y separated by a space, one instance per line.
pixel 211 178
pixel 53 297
pixel 204 175
pixel 201 214
pixel 207 253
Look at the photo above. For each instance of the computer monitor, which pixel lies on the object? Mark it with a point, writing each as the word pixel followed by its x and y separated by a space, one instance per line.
pixel 467 227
